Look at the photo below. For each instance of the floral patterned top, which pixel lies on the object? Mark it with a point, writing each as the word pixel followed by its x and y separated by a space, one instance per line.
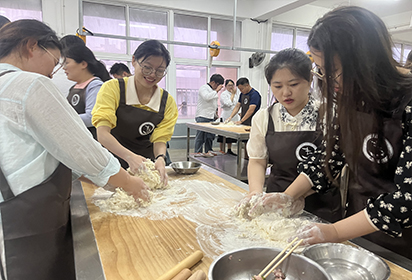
pixel 389 212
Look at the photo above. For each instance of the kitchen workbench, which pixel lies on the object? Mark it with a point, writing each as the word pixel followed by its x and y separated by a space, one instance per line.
pixel 139 248
pixel 228 164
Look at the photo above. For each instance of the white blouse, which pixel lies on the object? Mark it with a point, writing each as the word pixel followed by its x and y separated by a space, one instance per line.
pixel 39 129
pixel 228 105
pixel 305 120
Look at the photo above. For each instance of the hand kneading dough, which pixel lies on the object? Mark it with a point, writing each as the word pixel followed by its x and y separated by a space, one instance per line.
pixel 150 176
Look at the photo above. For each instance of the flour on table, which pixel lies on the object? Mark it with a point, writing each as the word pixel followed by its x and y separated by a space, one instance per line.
pixel 212 207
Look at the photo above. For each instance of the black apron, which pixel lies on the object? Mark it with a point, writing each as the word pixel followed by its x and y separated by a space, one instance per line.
pixel 37 229
pixel 135 126
pixel 288 148
pixel 244 104
pixel 77 98
pixel 37 232
pixel 372 181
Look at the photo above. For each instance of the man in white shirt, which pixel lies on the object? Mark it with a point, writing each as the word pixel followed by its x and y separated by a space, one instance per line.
pixel 206 111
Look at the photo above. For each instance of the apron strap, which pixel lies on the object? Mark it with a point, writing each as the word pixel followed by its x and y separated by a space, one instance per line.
pixel 163 102
pixel 5 187
pixel 271 125
pixel 5 72
pixel 122 91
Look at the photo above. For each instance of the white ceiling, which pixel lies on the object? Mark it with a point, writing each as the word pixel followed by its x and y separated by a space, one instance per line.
pixel 395 13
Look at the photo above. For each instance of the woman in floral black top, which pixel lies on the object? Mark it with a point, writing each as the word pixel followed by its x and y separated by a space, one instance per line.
pixel 368 125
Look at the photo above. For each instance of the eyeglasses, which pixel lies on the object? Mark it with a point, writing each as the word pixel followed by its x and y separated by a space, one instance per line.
pixel 320 76
pixel 59 65
pixel 147 70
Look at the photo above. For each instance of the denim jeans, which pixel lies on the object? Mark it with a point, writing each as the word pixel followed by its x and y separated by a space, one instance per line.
pixel 203 137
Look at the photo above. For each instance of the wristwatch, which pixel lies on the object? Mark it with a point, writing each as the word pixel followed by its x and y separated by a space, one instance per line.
pixel 161 155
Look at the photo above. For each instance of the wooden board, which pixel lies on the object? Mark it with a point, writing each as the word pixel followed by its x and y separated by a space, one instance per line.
pixel 237 129
pixel 137 248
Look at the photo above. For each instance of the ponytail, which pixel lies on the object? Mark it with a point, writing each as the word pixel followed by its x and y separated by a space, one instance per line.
pixel 81 53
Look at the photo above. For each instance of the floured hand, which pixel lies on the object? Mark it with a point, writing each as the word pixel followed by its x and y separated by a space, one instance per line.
pixel 278 202
pixel 317 233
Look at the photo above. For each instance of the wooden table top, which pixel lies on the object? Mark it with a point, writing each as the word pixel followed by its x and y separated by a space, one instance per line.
pixel 239 129
pixel 139 248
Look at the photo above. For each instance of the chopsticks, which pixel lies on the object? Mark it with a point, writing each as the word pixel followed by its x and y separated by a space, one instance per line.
pixel 272 268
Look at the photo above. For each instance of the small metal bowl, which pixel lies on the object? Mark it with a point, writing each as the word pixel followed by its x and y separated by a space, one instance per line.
pixel 185 167
pixel 348 262
pixel 244 263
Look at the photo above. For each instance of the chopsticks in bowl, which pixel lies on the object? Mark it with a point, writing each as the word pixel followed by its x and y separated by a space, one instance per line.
pixel 269 268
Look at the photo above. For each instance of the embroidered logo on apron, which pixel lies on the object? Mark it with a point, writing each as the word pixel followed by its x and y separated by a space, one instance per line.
pixel 146 128
pixel 246 101
pixel 75 99
pixel 372 152
pixel 304 150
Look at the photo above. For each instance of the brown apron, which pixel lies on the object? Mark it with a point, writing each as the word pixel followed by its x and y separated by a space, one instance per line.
pixel 37 230
pixel 372 181
pixel 135 126
pixel 288 148
pixel 77 98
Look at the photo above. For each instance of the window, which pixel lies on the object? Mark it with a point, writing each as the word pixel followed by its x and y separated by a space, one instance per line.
pixel 21 9
pixel 396 52
pixel 302 39
pixel 147 24
pixel 188 81
pixel 191 29
pixel 105 19
pixel 282 38
pixel 222 31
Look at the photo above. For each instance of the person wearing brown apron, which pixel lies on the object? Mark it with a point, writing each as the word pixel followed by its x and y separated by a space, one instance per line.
pixel 135 120
pixel 135 126
pixel 288 148
pixel 82 67
pixel 367 126
pixel 77 98
pixel 370 175
pixel 37 236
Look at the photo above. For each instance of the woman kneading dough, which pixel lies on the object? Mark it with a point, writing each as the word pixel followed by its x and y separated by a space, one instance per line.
pixel 43 145
pixel 134 117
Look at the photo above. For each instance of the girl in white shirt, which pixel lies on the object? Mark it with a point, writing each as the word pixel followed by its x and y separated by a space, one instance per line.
pixel 286 133
pixel 228 101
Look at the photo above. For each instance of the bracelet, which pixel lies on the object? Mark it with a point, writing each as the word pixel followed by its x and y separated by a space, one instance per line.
pixel 161 155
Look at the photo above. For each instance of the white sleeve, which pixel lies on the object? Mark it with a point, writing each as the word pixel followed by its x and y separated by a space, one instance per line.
pixel 53 123
pixel 225 101
pixel 207 93
pixel 256 146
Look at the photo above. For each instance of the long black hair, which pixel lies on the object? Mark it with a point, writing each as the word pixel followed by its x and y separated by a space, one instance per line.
pixel 15 35
pixel 370 80
pixel 79 53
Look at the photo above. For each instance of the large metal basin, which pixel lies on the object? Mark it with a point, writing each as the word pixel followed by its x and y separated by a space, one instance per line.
pixel 242 264
pixel 185 167
pixel 347 262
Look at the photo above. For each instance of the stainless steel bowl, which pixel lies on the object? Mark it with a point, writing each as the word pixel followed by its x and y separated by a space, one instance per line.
pixel 242 264
pixel 185 167
pixel 348 262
